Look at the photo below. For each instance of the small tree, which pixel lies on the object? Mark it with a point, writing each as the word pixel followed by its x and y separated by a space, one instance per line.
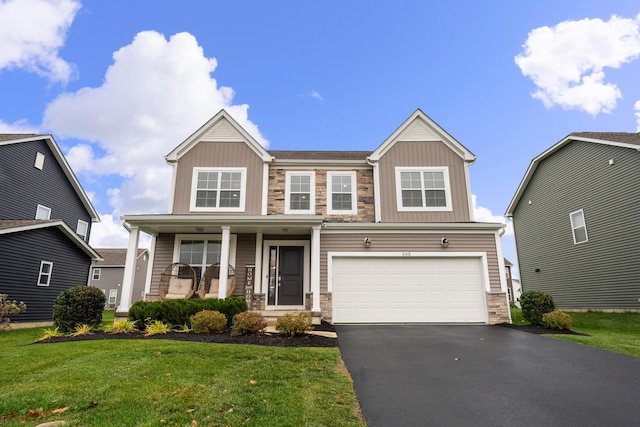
pixel 535 304
pixel 9 308
pixel 78 305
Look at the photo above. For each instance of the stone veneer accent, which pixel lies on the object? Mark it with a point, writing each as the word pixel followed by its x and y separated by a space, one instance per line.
pixel 364 188
pixel 498 308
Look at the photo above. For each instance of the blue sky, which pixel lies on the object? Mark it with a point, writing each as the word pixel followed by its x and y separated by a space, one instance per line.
pixel 119 84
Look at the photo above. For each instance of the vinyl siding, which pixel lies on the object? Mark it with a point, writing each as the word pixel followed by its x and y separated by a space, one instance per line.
pixel 20 257
pixel 23 187
pixel 221 154
pixel 415 242
pixel 163 258
pixel 604 272
pixel 417 154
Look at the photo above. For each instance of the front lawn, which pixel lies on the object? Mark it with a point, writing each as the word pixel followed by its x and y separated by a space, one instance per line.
pixel 173 383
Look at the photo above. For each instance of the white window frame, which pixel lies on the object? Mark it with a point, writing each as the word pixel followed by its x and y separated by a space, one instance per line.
pixel 44 209
pixel 42 273
pixel 82 229
pixel 423 208
pixel 312 193
pixel 113 296
pixel 194 190
pixel 574 227
pixel 205 237
pixel 93 274
pixel 354 195
pixel 39 163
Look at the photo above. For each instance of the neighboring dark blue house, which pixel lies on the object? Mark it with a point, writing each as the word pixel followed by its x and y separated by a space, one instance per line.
pixel 45 223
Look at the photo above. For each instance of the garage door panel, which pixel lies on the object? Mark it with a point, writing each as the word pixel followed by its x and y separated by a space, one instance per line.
pixel 399 290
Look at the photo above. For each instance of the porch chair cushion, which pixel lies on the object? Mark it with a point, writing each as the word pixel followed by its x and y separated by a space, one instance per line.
pixel 178 288
pixel 213 289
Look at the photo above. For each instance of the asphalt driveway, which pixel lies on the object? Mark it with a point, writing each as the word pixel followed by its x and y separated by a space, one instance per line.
pixel 423 375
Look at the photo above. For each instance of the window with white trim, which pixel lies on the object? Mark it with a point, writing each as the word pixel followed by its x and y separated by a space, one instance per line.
pixel 46 269
pixel 579 227
pixel 300 195
pixel 218 189
pixel 43 212
pixel 39 163
pixel 200 251
pixel 423 189
pixel 82 229
pixel 113 296
pixel 96 274
pixel 341 190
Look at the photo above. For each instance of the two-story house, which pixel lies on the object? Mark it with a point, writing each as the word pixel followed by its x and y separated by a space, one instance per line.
pixel 353 237
pixel 45 223
pixel 107 274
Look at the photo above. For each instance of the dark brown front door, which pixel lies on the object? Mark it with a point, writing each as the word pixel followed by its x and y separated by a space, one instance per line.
pixel 290 269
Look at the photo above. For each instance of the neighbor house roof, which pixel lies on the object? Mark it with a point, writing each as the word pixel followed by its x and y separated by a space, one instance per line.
pixel 616 139
pixel 6 139
pixel 114 257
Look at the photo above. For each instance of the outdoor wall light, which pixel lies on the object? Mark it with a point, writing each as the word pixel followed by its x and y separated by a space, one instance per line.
pixel 366 242
pixel 444 242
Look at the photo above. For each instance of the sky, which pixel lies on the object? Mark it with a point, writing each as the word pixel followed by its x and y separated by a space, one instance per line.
pixel 119 84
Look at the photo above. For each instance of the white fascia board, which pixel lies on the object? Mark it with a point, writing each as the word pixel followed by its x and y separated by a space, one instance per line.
pixel 395 227
pixel 321 164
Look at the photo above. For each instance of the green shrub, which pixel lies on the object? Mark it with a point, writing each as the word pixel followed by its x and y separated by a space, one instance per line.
pixel 80 305
pixel 248 323
pixel 294 324
pixel 535 304
pixel 9 308
pixel 208 321
pixel 557 319
pixel 179 311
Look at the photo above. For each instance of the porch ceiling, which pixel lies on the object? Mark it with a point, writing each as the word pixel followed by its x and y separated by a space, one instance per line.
pixel 191 224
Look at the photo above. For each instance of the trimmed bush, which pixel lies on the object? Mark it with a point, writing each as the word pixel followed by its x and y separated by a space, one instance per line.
pixel 535 304
pixel 294 324
pixel 179 311
pixel 208 321
pixel 557 319
pixel 248 323
pixel 9 308
pixel 80 305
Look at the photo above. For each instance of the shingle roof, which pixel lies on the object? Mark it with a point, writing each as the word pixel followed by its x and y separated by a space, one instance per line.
pixel 12 136
pixel 114 256
pixel 319 155
pixel 624 137
pixel 6 224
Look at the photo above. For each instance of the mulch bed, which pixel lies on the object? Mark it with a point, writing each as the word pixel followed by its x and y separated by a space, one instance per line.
pixel 539 329
pixel 266 339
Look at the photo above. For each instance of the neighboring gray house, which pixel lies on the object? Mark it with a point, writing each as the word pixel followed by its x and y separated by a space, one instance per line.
pixel 107 274
pixel 513 284
pixel 575 216
pixel 45 223
pixel 382 236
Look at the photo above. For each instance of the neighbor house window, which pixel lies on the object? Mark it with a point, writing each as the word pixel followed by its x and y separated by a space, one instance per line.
pixel 113 296
pixel 218 189
pixel 579 227
pixel 82 229
pixel 423 189
pixel 39 163
pixel 96 274
pixel 43 212
pixel 44 277
pixel 342 197
pixel 300 195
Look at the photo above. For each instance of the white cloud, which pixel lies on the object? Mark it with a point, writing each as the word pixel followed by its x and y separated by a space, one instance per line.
pixel 482 214
pixel 566 62
pixel 110 233
pixel 316 95
pixel 637 113
pixel 155 94
pixel 31 34
pixel 21 126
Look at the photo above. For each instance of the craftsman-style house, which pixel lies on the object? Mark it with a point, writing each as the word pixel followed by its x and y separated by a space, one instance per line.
pixel 382 236
pixel 45 223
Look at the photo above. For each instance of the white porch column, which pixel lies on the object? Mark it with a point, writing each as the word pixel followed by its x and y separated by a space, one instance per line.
pixel 257 273
pixel 129 269
pixel 315 268
pixel 152 257
pixel 224 261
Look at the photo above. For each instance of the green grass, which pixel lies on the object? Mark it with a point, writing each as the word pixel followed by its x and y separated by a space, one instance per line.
pixel 618 332
pixel 108 316
pixel 172 383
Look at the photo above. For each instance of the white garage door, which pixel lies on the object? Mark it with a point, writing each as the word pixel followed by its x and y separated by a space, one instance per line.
pixel 406 290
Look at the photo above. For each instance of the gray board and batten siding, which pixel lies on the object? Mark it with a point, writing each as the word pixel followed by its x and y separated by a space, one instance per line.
pixel 604 272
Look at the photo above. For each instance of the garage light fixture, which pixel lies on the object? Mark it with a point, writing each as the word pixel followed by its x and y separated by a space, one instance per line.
pixel 366 242
pixel 444 242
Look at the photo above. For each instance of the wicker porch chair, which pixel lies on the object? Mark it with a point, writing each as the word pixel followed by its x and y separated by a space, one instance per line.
pixel 210 282
pixel 177 281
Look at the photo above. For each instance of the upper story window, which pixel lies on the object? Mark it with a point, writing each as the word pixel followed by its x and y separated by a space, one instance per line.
pixel 423 189
pixel 300 195
pixel 44 277
pixel 39 163
pixel 43 212
pixel 579 227
pixel 218 189
pixel 96 274
pixel 82 229
pixel 342 197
